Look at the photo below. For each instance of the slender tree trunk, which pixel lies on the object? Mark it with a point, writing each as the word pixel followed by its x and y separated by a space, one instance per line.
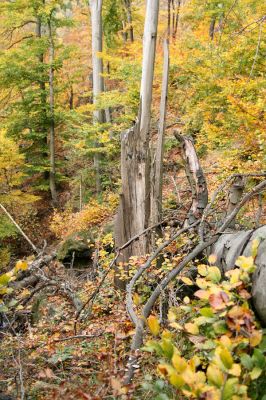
pixel 42 129
pixel 97 75
pixel 129 19
pixel 175 18
pixel 156 198
pixel 134 211
pixel 52 120
pixel 212 28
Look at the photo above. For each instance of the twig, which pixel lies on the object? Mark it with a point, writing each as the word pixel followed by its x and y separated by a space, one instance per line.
pixel 78 337
pixel 19 228
pixel 145 266
pixel 257 52
pixel 218 191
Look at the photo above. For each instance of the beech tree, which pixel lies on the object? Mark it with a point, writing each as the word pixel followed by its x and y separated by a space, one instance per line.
pixel 97 75
pixel 134 209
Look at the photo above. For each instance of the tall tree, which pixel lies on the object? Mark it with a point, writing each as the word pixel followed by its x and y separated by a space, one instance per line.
pixel 134 210
pixel 97 73
pixel 52 176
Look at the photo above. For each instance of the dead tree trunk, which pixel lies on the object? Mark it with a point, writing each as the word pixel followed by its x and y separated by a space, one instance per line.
pixel 195 178
pixel 234 197
pixel 232 245
pixel 97 75
pixel 134 210
pixel 156 197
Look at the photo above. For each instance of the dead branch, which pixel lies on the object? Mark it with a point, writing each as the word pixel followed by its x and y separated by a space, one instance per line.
pixel 78 337
pixel 195 177
pixel 216 193
pixel 19 228
pixel 145 266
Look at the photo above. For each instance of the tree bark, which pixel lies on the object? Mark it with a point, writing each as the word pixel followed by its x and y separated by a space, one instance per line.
pixel 52 179
pixel 134 210
pixel 129 19
pixel 156 197
pixel 196 179
pixel 97 75
pixel 234 197
pixel 43 100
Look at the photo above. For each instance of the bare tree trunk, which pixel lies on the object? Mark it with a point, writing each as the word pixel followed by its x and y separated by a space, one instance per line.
pixel 52 121
pixel 97 75
pixel 44 138
pixel 134 210
pixel 212 28
pixel 156 197
pixel 129 19
pixel 196 179
pixel 175 18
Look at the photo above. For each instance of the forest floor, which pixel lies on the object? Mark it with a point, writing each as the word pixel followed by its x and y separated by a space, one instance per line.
pixel 45 361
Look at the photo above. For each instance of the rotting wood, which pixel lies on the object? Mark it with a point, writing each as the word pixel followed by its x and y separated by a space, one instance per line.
pixel 196 178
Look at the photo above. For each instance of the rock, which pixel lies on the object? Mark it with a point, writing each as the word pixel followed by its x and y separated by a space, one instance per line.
pixel 81 244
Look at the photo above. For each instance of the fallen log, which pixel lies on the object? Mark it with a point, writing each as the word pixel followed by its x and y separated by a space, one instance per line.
pixel 232 245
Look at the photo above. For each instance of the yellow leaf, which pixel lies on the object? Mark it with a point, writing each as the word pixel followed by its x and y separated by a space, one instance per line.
pixel 179 363
pixel 255 373
pixel 234 275
pixel 255 338
pixel 171 316
pixel 192 328
pixel 154 325
pixel 186 300
pixel 188 376
pixel 215 375
pixel 245 263
pixel 201 283
pixel 226 341
pixel 187 281
pixel 235 370
pixel 226 357
pixel 177 326
pixel 254 247
pixel 202 270
pixel 212 259
pixel 176 379
pixel 136 299
pixel 21 266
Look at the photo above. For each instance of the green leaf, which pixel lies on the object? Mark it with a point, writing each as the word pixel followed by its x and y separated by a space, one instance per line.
pixel 167 348
pixel 4 279
pixel 258 358
pixel 153 346
pixel 206 312
pixel 162 396
pixel 214 274
pixel 220 327
pixel 255 373
pixel 246 361
pixel 229 389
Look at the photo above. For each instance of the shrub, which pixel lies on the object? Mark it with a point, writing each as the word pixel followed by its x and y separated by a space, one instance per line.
pixel 214 348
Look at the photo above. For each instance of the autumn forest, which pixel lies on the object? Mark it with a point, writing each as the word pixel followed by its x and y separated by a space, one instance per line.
pixel 132 199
